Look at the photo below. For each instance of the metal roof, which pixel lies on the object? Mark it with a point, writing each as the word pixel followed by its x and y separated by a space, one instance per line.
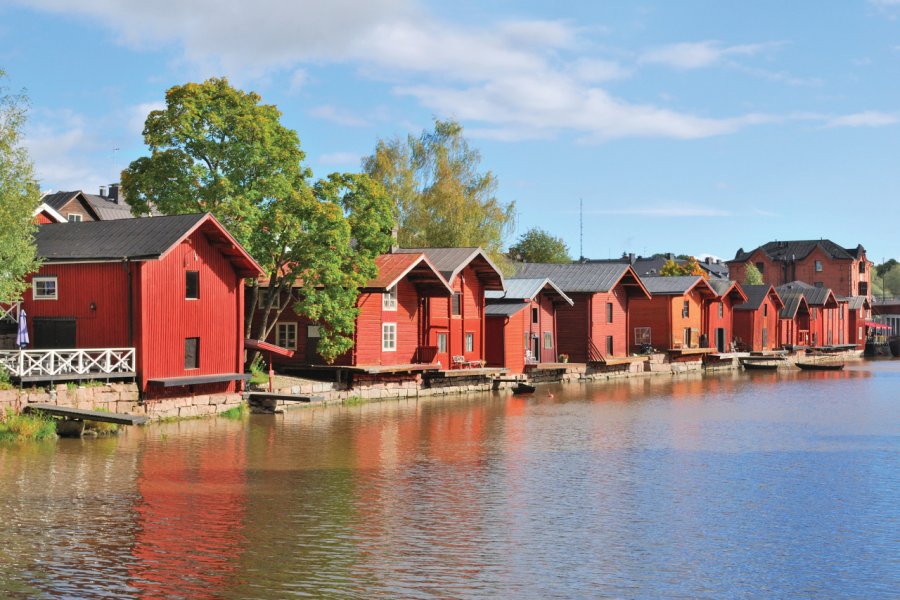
pixel 577 277
pixel 724 287
pixel 855 302
pixel 134 239
pixel 394 267
pixel 673 285
pixel 798 249
pixel 815 296
pixel 756 294
pixel 504 308
pixel 450 261
pixel 792 303
pixel 526 289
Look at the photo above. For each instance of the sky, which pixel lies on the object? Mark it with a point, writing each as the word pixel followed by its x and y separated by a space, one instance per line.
pixel 688 127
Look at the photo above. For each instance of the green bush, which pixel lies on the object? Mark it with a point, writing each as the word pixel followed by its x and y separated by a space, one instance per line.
pixel 5 383
pixel 238 412
pixel 354 401
pixel 26 427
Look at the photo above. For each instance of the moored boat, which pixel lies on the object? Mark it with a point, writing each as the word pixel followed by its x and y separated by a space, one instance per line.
pixel 759 366
pixel 523 388
pixel 821 366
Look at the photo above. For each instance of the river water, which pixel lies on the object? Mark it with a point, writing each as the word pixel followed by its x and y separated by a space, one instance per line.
pixel 738 485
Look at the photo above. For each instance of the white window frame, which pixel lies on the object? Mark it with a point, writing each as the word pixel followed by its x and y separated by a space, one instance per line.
pixel 74 218
pixel 261 300
pixel 638 341
pixel 279 339
pixel 388 337
pixel 441 335
pixel 818 266
pixel 470 341
pixel 547 342
pixel 44 279
pixel 389 299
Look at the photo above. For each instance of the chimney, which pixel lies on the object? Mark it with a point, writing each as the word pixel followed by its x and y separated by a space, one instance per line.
pixel 631 258
pixel 670 256
pixel 114 193
pixel 709 260
pixel 103 191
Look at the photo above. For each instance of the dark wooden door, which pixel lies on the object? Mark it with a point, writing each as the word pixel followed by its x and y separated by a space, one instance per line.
pixel 312 344
pixel 720 339
pixel 54 333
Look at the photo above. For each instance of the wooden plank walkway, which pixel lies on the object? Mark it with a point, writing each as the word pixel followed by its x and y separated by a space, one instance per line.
pixel 86 415
pixel 286 397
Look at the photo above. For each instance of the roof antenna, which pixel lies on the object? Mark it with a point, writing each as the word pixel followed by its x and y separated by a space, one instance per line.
pixel 581 229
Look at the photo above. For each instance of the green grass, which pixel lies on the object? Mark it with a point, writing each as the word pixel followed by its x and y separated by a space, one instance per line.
pixel 5 383
pixel 101 428
pixel 31 427
pixel 354 401
pixel 238 412
pixel 259 378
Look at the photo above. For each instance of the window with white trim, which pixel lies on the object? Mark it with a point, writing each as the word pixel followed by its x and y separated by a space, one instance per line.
pixel 74 218
pixel 818 266
pixel 442 343
pixel 470 341
pixel 389 337
pixel 44 288
pixel 261 299
pixel 548 340
pixel 286 335
pixel 389 299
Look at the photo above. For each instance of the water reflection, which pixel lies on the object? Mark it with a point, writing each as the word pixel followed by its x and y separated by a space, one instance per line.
pixel 735 485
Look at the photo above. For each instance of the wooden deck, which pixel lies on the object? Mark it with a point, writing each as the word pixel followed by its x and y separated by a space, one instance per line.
pixel 370 369
pixel 474 372
pixel 553 366
pixel 692 351
pixel 251 396
pixel 612 361
pixel 86 415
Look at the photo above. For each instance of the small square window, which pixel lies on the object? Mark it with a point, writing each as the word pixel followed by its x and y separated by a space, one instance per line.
pixel 470 341
pixel 761 267
pixel 456 304
pixel 389 299
pixel 286 335
pixel 641 336
pixel 262 297
pixel 389 337
pixel 44 288
pixel 192 285
pixel 192 353
pixel 74 218
pixel 818 266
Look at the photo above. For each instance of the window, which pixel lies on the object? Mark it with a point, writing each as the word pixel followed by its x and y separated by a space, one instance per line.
pixel 548 340
pixel 74 218
pixel 470 341
pixel 641 336
pixel 859 333
pixel 609 312
pixel 818 284
pixel 442 343
pixel 192 353
pixel 527 340
pixel 841 313
pixel 286 335
pixel 814 313
pixel 862 266
pixel 761 267
pixel 765 338
pixel 389 299
pixel 687 337
pixel 43 288
pixel 261 298
pixel 721 310
pixel 456 304
pixel 609 345
pixel 686 309
pixel 192 285
pixel 818 266
pixel 535 315
pixel 389 337
pixel 863 288
pixel 765 310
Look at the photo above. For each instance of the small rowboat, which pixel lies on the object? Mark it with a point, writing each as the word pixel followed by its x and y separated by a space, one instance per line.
pixel 823 366
pixel 523 388
pixel 760 366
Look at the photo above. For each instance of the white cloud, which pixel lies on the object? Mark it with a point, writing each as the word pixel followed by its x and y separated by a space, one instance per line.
pixel 338 115
pixel 870 118
pixel 698 55
pixel 341 159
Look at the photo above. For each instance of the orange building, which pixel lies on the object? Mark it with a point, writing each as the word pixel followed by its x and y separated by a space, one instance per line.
pixel 756 320
pixel 721 312
pixel 675 316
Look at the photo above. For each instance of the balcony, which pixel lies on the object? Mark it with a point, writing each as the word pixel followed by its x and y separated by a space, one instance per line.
pixel 28 366
pixel 9 312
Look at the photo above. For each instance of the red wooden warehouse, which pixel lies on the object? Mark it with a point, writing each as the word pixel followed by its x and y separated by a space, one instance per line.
pixel 521 324
pixel 595 327
pixel 720 317
pixel 825 322
pixel 676 316
pixel 756 320
pixel 793 322
pixel 164 293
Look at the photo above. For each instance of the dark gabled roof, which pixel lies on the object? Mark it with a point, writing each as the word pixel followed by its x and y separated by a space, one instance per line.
pixel 815 296
pixel 527 289
pixel 134 239
pixel 109 210
pixel 799 249
pixel 504 308
pixel 450 261
pixel 725 287
pixel 580 277
pixel 416 267
pixel 57 200
pixel 674 286
pixel 792 303
pixel 756 294
pixel 855 302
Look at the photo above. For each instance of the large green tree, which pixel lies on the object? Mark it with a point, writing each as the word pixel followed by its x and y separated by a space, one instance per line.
pixel 217 149
pixel 538 246
pixel 442 197
pixel 752 275
pixel 19 197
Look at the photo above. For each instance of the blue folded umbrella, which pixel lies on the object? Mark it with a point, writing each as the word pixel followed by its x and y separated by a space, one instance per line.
pixel 22 338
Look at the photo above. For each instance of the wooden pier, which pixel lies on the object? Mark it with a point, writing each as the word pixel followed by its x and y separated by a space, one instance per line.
pixel 78 414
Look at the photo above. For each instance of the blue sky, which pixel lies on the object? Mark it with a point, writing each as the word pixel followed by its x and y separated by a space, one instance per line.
pixel 695 127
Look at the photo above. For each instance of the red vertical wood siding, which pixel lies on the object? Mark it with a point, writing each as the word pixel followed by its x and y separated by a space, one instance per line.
pixel 572 327
pixel 369 327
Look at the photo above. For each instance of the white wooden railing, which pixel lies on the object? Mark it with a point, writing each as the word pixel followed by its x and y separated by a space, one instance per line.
pixel 61 363
pixel 9 311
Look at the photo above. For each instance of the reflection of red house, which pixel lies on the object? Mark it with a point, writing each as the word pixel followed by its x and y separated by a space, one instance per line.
pixel 675 316
pixel 169 287
pixel 596 326
pixel 756 320
pixel 521 323
pixel 720 317
pixel 825 320
pixel 390 329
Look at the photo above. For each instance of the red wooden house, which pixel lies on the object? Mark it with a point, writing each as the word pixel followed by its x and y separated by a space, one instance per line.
pixel 391 325
pixel 159 299
pixel 596 326
pixel 858 312
pixel 825 321
pixel 521 324
pixel 756 320
pixel 675 317
pixel 455 325
pixel 45 214
pixel 793 323
pixel 720 317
